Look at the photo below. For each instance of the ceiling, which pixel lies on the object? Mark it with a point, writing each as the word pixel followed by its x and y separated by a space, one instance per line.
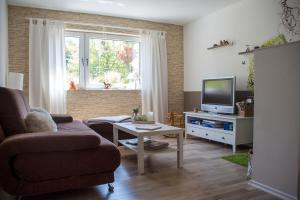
pixel 168 11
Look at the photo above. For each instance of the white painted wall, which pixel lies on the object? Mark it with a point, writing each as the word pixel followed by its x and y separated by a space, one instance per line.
pixel 245 22
pixel 3 42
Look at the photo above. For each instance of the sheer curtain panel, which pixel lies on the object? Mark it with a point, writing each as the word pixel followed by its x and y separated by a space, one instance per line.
pixel 47 67
pixel 154 74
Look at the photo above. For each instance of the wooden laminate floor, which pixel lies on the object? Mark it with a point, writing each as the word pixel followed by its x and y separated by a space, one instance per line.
pixel 204 176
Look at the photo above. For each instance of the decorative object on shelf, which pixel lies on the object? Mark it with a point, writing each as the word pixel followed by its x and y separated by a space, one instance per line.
pixel 222 43
pixel 278 40
pixel 245 109
pixel 290 18
pixel 196 109
pixel 249 49
pixel 107 85
pixel 72 86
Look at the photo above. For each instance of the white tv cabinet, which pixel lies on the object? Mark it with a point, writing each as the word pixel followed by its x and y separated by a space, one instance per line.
pixel 241 133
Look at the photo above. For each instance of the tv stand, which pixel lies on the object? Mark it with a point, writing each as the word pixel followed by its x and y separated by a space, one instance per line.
pixel 228 129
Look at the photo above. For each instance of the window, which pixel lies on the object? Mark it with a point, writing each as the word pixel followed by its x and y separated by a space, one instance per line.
pixel 95 59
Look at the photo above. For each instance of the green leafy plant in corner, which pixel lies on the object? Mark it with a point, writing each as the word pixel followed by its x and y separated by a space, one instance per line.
pixel 278 40
pixel 250 82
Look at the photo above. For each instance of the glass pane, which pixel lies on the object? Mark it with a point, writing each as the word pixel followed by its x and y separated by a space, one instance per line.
pixel 72 60
pixel 115 62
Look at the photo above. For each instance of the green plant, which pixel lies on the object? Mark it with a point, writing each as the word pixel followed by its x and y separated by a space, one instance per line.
pixel 278 40
pixel 141 118
pixel 250 82
pixel 136 110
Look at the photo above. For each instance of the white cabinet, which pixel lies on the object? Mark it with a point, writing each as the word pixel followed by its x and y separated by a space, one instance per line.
pixel 239 129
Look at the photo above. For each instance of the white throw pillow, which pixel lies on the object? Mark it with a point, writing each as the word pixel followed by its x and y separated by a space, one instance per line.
pixel 39 120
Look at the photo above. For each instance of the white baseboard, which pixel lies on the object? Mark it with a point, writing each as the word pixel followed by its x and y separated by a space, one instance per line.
pixel 272 191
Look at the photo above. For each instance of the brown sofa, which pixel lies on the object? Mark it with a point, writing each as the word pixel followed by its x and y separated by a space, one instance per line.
pixel 38 163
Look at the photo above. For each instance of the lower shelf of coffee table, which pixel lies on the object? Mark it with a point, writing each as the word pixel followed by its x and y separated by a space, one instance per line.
pixel 135 148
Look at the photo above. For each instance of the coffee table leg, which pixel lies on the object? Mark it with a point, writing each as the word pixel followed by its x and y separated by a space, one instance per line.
pixel 140 154
pixel 116 136
pixel 179 150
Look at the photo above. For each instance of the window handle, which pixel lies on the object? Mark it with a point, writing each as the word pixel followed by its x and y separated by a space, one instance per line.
pixel 82 61
pixel 87 61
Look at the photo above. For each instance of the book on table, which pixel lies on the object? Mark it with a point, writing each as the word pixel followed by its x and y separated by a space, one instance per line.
pixel 150 127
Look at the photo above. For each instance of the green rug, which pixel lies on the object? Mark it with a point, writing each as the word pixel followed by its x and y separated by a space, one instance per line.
pixel 239 158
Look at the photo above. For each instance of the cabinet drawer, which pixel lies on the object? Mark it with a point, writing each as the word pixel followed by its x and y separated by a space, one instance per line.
pixel 210 135
pixel 219 137
pixel 194 131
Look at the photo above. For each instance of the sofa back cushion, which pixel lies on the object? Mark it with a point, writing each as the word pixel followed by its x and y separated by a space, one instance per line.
pixel 13 110
pixel 40 121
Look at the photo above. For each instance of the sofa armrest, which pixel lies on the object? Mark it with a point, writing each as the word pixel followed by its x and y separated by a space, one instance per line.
pixel 61 118
pixel 2 136
pixel 40 143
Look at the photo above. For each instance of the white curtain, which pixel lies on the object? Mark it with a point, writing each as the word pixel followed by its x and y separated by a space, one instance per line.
pixel 154 74
pixel 47 67
pixel 3 43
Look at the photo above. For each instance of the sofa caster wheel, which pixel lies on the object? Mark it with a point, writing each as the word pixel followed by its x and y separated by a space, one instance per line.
pixel 111 187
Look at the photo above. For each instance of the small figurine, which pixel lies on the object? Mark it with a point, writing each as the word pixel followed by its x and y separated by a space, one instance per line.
pixel 248 48
pixel 107 85
pixel 72 86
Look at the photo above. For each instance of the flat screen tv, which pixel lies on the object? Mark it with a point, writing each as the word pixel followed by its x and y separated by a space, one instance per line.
pixel 218 95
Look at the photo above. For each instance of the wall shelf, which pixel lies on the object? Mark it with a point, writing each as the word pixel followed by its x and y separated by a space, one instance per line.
pixel 219 46
pixel 246 52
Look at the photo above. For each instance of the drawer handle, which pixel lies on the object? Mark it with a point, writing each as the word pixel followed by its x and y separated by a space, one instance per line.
pixel 193 131
pixel 206 134
pixel 223 138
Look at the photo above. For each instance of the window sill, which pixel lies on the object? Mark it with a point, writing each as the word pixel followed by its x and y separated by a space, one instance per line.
pixel 94 89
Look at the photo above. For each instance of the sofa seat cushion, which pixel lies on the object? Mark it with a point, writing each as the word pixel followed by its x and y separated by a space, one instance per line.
pixel 35 167
pixel 73 126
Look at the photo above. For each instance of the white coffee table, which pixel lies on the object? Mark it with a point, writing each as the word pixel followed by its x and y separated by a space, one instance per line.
pixel 140 134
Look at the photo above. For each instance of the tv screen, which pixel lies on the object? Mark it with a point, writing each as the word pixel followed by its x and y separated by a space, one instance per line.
pixel 218 92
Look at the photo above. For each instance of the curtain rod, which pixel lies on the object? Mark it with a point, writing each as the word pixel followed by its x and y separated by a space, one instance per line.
pixel 103 32
pixel 99 25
